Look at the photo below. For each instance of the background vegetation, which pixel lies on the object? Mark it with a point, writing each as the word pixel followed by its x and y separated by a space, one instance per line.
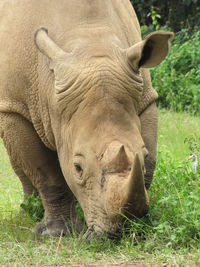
pixel 176 14
pixel 177 79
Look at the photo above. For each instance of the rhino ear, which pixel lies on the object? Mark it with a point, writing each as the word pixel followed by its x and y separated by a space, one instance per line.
pixel 47 46
pixel 151 51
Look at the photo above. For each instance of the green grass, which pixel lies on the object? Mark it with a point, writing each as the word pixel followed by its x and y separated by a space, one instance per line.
pixel 167 236
pixel 173 129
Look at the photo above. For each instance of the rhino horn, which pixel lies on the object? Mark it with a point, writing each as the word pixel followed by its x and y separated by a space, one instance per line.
pixel 120 163
pixel 127 194
pixel 137 201
pixel 46 45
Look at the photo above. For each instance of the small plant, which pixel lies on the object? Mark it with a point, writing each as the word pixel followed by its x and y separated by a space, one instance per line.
pixel 33 206
pixel 194 146
pixel 155 16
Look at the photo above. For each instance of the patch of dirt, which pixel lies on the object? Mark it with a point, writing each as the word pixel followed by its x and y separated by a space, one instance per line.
pixel 134 263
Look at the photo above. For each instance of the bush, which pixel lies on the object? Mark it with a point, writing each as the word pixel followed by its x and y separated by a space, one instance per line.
pixel 177 79
pixel 175 14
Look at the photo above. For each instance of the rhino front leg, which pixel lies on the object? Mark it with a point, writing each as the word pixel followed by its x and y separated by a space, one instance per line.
pixel 149 125
pixel 28 187
pixel 38 168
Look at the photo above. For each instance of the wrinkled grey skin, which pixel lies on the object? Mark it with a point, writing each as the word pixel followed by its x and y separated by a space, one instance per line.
pixel 77 114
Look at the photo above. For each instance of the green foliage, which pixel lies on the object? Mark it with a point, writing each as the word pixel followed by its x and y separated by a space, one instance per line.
pixel 177 79
pixel 33 206
pixel 79 212
pixel 175 201
pixel 173 219
pixel 193 142
pixel 155 16
pixel 175 14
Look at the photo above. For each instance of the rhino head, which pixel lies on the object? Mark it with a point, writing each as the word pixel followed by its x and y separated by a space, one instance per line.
pixel 93 110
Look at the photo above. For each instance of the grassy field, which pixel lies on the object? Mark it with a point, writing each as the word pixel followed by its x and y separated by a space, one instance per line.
pixel 168 236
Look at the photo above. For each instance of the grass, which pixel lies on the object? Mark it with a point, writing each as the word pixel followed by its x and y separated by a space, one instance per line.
pixel 173 129
pixel 168 236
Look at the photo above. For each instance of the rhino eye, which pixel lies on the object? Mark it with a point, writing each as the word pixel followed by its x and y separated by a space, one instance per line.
pixel 78 168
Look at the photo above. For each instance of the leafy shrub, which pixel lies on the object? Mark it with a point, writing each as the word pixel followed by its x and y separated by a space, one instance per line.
pixel 177 79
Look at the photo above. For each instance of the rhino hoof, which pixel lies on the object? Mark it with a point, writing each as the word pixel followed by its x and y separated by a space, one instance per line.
pixel 52 229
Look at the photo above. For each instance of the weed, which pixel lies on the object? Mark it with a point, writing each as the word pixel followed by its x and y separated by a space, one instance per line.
pixel 193 142
pixel 33 206
pixel 155 16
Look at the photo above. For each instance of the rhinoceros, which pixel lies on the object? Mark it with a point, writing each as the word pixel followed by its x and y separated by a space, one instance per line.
pixel 77 108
